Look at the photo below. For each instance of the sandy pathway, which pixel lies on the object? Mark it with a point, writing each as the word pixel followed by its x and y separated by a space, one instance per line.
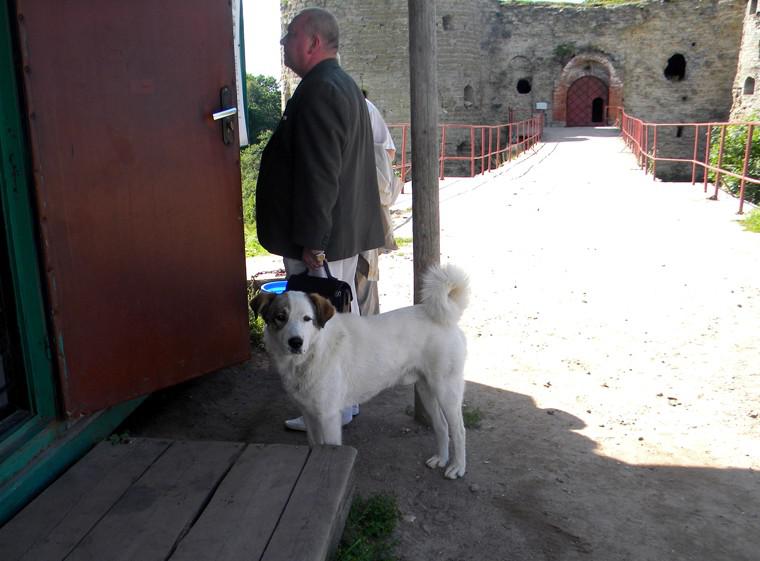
pixel 614 353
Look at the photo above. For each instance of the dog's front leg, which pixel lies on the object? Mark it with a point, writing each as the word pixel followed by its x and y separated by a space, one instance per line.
pixel 313 430
pixel 332 429
pixel 323 429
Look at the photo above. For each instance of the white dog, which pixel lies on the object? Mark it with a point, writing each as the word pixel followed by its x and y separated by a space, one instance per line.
pixel 328 361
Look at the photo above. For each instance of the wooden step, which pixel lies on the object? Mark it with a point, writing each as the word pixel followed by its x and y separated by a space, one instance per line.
pixel 152 499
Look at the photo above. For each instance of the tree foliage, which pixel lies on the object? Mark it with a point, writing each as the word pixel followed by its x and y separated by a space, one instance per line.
pixel 250 160
pixel 263 115
pixel 264 105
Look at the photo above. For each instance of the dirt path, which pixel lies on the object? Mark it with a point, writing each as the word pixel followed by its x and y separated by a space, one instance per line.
pixel 614 356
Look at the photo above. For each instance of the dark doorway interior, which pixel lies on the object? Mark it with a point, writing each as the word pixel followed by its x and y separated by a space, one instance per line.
pixel 597 110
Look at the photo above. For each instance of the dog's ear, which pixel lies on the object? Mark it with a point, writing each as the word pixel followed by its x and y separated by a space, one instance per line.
pixel 325 310
pixel 260 303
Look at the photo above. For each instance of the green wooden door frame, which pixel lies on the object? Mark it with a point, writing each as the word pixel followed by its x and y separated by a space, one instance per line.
pixel 18 217
pixel 40 449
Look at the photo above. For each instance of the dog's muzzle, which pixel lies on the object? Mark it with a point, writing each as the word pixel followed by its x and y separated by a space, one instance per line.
pixel 296 345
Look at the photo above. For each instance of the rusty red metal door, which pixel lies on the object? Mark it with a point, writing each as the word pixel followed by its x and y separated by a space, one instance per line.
pixel 583 97
pixel 139 198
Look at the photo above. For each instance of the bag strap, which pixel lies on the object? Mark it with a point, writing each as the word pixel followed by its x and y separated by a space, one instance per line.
pixel 327 269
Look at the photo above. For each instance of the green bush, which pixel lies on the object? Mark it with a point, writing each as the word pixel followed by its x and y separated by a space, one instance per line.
pixel 263 114
pixel 250 159
pixel 255 325
pixel 752 221
pixel 733 159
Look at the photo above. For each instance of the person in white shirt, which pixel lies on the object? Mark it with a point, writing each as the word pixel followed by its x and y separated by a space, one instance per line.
pixel 389 185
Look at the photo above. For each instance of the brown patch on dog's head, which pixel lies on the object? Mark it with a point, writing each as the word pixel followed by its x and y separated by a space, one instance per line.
pixel 261 303
pixel 274 309
pixel 324 309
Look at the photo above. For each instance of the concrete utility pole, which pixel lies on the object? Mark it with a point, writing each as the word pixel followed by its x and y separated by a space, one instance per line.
pixel 423 88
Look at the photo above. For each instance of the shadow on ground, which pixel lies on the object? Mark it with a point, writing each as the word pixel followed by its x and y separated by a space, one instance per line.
pixel 535 488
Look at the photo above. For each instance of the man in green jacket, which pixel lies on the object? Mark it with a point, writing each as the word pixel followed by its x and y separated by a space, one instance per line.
pixel 317 196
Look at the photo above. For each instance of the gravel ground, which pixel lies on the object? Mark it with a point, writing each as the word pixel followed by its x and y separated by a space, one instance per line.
pixel 614 359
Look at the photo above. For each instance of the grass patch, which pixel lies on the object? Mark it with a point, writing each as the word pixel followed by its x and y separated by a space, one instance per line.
pixel 252 245
pixel 369 527
pixel 401 242
pixel 752 221
pixel 472 417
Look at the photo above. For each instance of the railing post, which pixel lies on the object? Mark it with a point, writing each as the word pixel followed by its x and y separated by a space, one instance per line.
pixel 509 141
pixel 654 154
pixel 720 162
pixel 694 156
pixel 490 146
pixel 472 151
pixel 498 147
pixel 708 128
pixel 747 152
pixel 442 157
pixel 645 157
pixel 482 150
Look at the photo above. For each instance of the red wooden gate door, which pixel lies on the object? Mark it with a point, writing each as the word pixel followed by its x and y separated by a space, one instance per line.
pixel 586 102
pixel 139 197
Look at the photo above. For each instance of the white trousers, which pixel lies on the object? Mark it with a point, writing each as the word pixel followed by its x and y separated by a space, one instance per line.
pixel 343 269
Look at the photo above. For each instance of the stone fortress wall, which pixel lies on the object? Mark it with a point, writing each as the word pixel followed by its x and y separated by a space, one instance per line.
pixel 487 48
pixel 746 92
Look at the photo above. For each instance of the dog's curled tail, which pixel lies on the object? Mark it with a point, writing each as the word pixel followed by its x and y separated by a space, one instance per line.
pixel 445 293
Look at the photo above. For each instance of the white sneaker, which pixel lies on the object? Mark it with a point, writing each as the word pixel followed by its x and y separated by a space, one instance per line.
pixel 295 424
pixel 346 415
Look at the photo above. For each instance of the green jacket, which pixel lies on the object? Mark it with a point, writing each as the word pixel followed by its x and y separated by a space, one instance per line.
pixel 317 185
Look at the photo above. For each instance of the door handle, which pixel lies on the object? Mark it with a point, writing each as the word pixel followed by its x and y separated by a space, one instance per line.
pixel 224 113
pixel 227 115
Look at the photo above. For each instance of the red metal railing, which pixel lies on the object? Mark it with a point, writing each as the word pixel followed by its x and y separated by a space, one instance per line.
pixel 488 145
pixel 641 139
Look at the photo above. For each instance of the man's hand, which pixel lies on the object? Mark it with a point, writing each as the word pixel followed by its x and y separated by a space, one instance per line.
pixel 313 258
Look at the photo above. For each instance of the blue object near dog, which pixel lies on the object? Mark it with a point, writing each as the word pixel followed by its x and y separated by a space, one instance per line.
pixel 275 287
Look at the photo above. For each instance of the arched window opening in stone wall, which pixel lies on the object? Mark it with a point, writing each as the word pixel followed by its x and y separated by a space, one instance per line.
pixel 753 7
pixel 749 86
pixel 676 68
pixel 446 20
pixel 523 86
pixel 469 96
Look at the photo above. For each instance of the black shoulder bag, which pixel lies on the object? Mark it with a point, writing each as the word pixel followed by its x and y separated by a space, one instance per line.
pixel 338 292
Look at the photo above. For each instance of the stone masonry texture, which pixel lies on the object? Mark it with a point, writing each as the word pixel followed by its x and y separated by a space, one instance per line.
pixel 484 47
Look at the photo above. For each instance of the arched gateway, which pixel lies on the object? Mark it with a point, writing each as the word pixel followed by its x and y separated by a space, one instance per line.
pixel 588 91
pixel 586 102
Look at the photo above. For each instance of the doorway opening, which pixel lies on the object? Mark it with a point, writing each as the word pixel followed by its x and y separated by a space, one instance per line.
pixel 597 110
pixel 586 102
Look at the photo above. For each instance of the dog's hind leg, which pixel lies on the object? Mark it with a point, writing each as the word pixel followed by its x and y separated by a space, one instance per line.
pixel 440 426
pixel 450 399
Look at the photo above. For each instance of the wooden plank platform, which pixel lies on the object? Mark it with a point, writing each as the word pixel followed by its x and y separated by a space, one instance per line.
pixel 163 500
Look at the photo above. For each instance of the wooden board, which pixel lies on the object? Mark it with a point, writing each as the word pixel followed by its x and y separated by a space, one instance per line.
pixel 147 521
pixel 180 501
pixel 244 512
pixel 317 508
pixel 51 525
